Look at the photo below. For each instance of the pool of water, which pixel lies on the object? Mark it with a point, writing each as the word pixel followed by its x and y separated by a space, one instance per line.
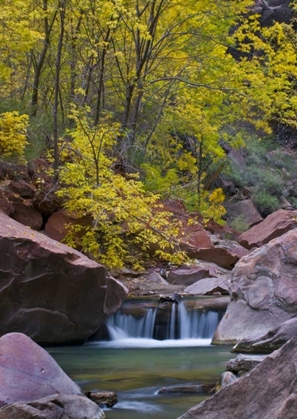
pixel 137 371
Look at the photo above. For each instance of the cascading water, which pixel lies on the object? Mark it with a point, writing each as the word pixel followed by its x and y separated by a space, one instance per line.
pixel 182 327
pixel 122 326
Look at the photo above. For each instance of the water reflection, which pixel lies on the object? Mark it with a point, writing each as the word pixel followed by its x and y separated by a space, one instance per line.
pixel 136 374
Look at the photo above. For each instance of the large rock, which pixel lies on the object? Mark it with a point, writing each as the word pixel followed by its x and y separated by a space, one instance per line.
pixel 263 288
pixel 247 210
pixel 268 391
pixel 57 406
pixel 192 236
pixel 224 255
pixel 269 342
pixel 209 286
pixel 187 276
pixel 26 214
pixel 275 225
pixel 274 11
pixel 49 291
pixel 58 224
pixel 32 385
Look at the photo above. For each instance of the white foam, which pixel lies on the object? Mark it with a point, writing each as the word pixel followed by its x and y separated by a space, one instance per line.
pixel 151 343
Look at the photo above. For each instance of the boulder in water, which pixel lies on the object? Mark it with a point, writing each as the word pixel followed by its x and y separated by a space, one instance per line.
pixel 48 290
pixel 267 392
pixel 32 385
pixel 263 289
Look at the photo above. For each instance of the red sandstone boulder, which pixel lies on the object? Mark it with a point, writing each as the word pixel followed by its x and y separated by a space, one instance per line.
pixel 263 289
pixel 22 188
pixel 13 171
pixel 192 236
pixel 5 204
pixel 25 213
pixel 49 291
pixel 28 373
pixel 223 255
pixel 56 226
pixel 275 225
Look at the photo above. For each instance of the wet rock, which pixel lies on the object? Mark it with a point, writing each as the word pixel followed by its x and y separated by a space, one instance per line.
pixel 209 286
pixel 269 342
pixel 188 389
pixel 243 363
pixel 57 406
pixel 175 298
pixel 267 391
pixel 263 288
pixel 218 303
pixel 49 291
pixel 275 225
pixel 227 378
pixel 102 398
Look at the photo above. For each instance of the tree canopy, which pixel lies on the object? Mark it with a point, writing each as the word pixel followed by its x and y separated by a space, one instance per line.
pixel 137 100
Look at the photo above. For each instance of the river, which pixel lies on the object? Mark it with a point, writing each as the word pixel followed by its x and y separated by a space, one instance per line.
pixel 135 365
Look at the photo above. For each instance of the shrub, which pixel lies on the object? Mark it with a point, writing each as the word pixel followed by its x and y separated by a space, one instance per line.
pixel 13 129
pixel 239 223
pixel 265 202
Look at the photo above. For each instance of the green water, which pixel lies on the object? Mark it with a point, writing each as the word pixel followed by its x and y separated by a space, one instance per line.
pixel 136 374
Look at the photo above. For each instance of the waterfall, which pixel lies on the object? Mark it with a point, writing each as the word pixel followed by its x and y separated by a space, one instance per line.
pixel 124 326
pixel 179 324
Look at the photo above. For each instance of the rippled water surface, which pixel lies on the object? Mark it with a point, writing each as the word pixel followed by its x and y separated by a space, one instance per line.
pixel 137 369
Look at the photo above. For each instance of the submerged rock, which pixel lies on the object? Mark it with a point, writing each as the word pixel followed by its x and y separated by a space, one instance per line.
pixel 188 389
pixel 267 391
pixel 48 290
pixel 226 378
pixel 102 398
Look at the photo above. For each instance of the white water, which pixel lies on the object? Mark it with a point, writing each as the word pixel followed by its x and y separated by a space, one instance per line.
pixel 185 328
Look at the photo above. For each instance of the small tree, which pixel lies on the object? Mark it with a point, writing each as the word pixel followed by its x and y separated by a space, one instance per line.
pixel 126 221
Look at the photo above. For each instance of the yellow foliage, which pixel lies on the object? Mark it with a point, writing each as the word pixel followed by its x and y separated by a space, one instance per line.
pixel 211 206
pixel 127 221
pixel 13 128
